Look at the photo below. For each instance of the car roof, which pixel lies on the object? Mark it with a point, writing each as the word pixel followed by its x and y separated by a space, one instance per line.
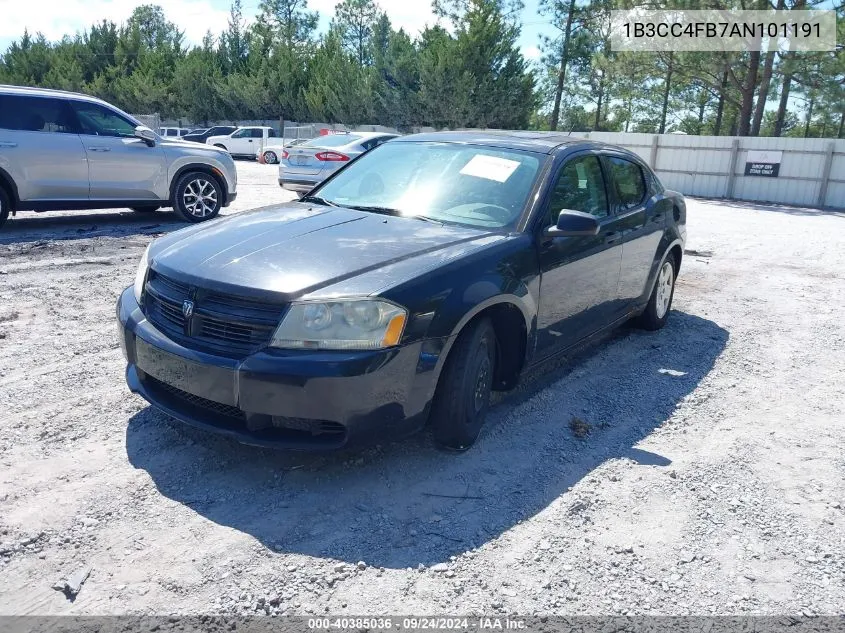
pixel 544 142
pixel 48 92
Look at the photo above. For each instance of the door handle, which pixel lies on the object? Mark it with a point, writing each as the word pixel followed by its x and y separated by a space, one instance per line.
pixel 99 149
pixel 8 144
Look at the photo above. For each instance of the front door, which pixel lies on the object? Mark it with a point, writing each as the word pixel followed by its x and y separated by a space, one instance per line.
pixel 120 166
pixel 245 141
pixel 579 275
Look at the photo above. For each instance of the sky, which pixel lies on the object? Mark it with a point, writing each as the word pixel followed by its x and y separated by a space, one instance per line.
pixel 56 18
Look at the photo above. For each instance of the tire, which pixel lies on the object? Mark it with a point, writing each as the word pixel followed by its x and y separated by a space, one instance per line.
pixel 660 302
pixel 145 209
pixel 463 391
pixel 4 207
pixel 271 158
pixel 197 197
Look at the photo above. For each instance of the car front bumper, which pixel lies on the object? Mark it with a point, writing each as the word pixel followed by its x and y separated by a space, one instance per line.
pixel 292 399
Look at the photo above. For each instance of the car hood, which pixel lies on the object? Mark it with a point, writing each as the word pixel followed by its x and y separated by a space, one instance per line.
pixel 183 144
pixel 297 249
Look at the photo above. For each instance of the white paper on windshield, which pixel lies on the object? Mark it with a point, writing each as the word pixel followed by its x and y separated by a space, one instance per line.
pixel 490 167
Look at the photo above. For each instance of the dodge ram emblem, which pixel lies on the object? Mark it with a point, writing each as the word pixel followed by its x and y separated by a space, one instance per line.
pixel 187 308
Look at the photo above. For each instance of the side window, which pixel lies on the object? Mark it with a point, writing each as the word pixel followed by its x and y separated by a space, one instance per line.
pixel 630 185
pixel 36 114
pixel 257 132
pixel 272 134
pixel 580 187
pixel 99 121
pixel 241 134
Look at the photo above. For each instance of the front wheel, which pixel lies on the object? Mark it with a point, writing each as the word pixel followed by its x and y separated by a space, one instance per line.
pixel 463 392
pixel 198 197
pixel 657 310
pixel 271 158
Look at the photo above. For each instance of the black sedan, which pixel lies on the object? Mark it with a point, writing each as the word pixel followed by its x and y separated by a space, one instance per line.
pixel 402 290
pixel 199 136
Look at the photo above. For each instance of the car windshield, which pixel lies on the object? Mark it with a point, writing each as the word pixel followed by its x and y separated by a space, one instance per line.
pixel 332 140
pixel 471 185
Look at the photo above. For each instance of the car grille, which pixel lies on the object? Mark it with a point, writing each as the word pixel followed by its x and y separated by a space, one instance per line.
pixel 220 323
pixel 295 430
pixel 197 401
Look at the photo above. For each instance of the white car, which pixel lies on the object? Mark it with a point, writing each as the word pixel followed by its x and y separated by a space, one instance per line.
pixel 246 141
pixel 305 166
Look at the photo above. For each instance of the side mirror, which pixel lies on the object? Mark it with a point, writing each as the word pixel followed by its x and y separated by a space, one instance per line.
pixel 145 134
pixel 574 223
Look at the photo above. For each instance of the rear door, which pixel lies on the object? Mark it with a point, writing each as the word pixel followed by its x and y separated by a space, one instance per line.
pixel 40 148
pixel 120 166
pixel 642 221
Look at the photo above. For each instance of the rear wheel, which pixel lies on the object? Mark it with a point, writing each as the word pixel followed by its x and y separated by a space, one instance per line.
pixel 198 197
pixel 271 158
pixel 463 392
pixel 660 302
pixel 4 206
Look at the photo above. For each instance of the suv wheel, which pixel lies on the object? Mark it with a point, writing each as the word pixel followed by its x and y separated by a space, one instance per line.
pixel 198 197
pixel 4 206
pixel 271 158
pixel 463 392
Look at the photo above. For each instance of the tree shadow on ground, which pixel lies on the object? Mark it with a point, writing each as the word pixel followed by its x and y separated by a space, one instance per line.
pixel 407 503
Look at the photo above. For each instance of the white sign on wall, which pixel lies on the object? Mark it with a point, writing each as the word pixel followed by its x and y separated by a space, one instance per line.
pixel 763 162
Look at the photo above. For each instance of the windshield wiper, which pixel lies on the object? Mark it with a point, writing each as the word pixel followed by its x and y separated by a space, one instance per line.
pixel 394 212
pixel 318 200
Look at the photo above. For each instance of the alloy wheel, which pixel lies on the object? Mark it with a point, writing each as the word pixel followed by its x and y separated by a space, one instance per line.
pixel 200 198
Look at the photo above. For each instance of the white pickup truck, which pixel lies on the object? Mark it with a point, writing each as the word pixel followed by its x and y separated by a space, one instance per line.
pixel 248 141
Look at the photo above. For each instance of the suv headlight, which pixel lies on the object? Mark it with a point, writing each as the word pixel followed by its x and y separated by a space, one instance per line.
pixel 141 275
pixel 351 324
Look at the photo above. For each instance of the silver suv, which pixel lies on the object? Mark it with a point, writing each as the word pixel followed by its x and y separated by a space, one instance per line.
pixel 62 150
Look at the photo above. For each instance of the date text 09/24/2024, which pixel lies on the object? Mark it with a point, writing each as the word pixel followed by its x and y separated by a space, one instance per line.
pixel 417 624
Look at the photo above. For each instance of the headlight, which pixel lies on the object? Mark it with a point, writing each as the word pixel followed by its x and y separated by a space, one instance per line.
pixel 141 275
pixel 341 325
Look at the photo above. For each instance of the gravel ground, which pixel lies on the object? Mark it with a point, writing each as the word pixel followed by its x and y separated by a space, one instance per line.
pixel 710 478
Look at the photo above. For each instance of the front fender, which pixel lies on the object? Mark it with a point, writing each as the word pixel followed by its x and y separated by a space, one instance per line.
pixel 505 279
